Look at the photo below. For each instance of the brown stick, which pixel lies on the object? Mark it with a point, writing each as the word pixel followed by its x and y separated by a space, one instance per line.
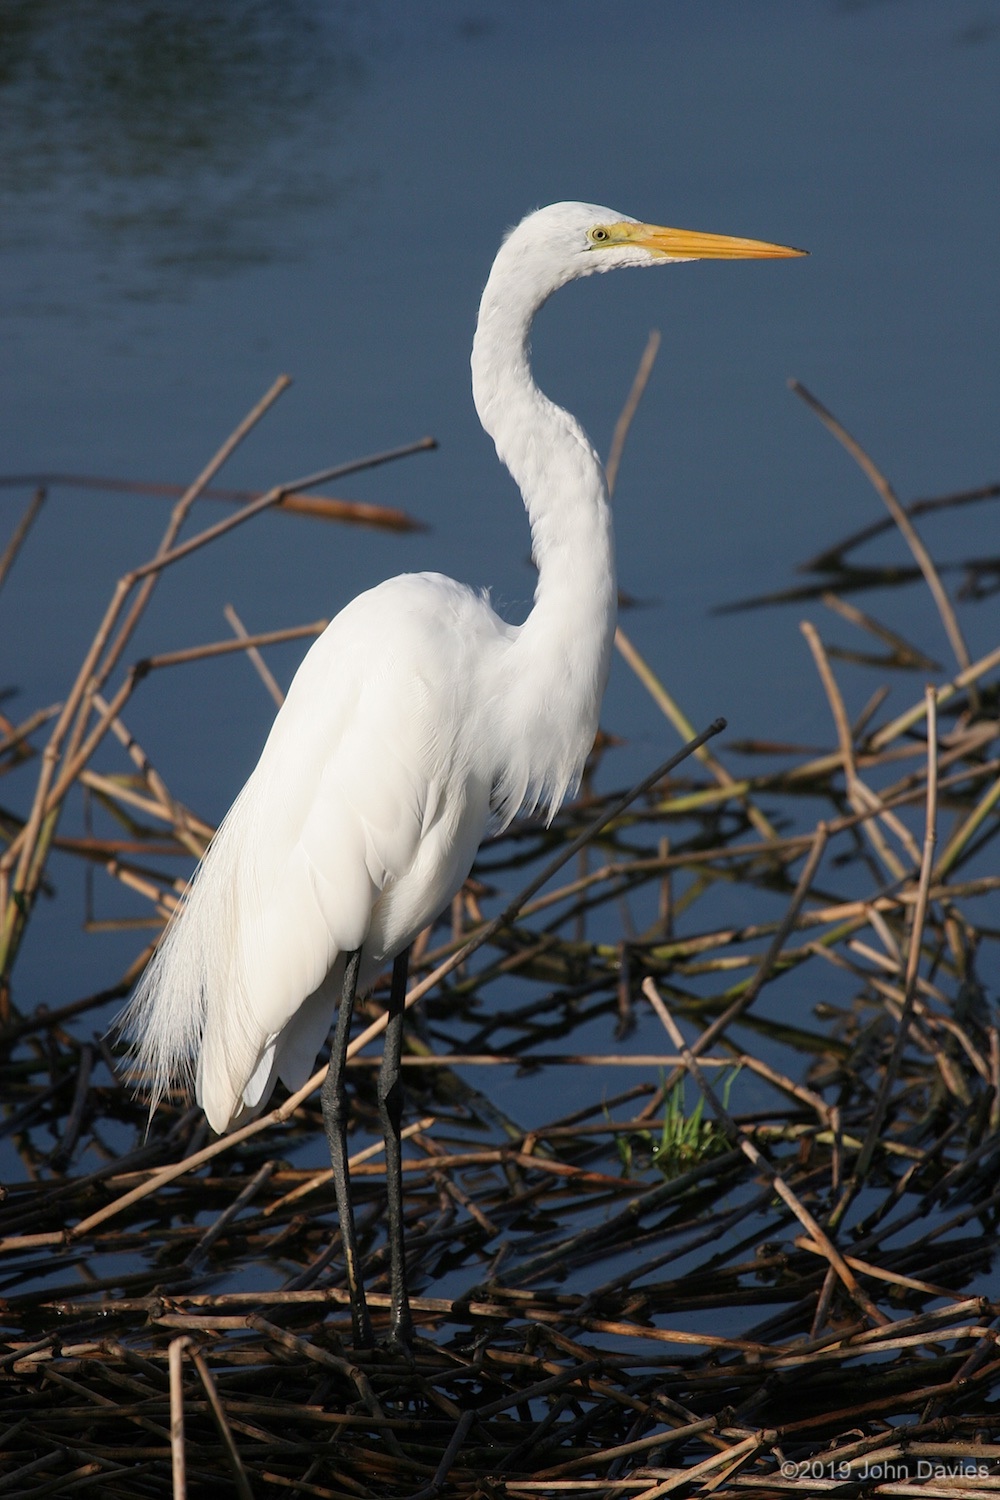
pixel 884 489
pixel 20 532
pixel 240 1479
pixel 630 408
pixel 913 954
pixel 258 663
pixel 177 1459
pixel 318 507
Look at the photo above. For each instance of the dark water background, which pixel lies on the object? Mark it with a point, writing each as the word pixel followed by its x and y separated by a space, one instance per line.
pixel 195 197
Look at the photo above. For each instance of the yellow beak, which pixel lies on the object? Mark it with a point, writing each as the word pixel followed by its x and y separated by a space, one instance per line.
pixel 689 244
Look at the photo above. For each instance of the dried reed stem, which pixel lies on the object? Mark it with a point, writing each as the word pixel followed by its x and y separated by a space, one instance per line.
pixel 20 533
pixel 884 489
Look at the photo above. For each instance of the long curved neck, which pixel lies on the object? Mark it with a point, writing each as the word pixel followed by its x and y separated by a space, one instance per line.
pixel 563 650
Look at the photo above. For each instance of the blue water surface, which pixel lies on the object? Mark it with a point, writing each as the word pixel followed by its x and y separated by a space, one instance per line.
pixel 196 197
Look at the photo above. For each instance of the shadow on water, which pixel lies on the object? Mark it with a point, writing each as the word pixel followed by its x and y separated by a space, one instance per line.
pixel 172 140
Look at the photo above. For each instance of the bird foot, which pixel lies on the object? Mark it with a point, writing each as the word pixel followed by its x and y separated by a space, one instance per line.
pixel 398 1343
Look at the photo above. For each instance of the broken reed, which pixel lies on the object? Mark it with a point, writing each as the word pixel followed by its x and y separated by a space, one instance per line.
pixel 782 1289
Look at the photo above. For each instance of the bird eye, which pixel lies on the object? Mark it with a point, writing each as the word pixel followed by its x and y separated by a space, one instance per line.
pixel 599 235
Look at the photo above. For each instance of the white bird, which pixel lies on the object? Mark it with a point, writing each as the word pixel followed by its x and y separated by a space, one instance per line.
pixel 418 721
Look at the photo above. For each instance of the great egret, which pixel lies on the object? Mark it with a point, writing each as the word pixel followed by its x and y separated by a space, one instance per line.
pixel 416 721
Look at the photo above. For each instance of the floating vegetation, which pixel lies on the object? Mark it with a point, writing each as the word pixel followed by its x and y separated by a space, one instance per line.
pixel 758 1254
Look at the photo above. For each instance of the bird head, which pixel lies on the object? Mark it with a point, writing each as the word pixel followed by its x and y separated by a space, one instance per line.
pixel 576 239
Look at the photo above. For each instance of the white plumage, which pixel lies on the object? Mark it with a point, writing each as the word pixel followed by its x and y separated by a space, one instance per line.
pixel 417 718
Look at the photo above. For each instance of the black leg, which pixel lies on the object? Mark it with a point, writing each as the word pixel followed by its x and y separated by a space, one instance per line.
pixel 390 1106
pixel 335 1120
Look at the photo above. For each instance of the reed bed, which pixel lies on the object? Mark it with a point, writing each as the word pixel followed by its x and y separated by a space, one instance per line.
pixel 755 1256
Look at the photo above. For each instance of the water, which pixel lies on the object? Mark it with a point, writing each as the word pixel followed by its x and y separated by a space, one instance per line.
pixel 193 201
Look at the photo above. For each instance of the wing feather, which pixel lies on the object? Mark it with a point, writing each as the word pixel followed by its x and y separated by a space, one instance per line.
pixel 354 790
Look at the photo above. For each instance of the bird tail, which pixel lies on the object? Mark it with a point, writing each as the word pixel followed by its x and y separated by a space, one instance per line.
pixel 164 1020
